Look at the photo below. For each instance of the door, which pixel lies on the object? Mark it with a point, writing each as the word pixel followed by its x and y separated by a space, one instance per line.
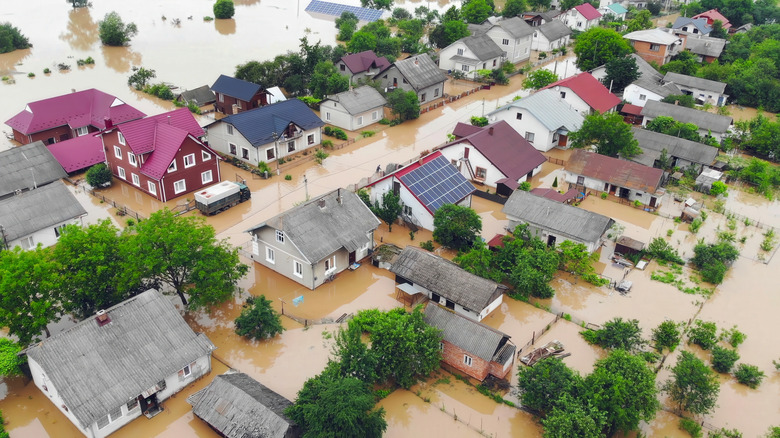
pixel 562 139
pixel 352 258
pixel 396 188
pixel 551 240
pixel 625 193
pixel 652 201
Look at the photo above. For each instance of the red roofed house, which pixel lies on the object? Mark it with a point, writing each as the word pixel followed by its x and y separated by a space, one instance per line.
pixel 360 65
pixel 632 114
pixel 162 155
pixel 70 115
pixel 78 153
pixel 585 94
pixel 495 155
pixel 712 16
pixel 581 17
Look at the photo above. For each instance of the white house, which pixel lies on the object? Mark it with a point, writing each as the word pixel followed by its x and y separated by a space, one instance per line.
pixel 550 35
pixel 615 10
pixel 649 86
pixel 416 73
pixel 585 94
pixel 711 124
pixel 472 53
pixel 513 35
pixel 110 369
pixel 581 17
pixel 543 117
pixel 354 109
pixel 702 90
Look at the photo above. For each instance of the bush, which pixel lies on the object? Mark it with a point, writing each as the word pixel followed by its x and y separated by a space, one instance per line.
pixel 224 9
pixel 10 361
pixel 749 375
pixel 31 75
pixel 723 359
pixel 604 195
pixel 258 320
pixel 695 225
pixel 114 32
pixel 427 245
pixel 288 177
pixel 733 336
pixel 320 155
pixel 718 188
pixel 693 428
pixel 327 143
pixel 703 334
pixel 711 259
pixel 662 250
pixel 666 335
pixel 524 186
pixel 311 101
pixel 99 175
pixel 479 121
pixel 160 90
pixel 46 71
pixel 12 39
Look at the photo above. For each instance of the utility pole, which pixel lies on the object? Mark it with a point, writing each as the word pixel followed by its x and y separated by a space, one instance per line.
pixel 306 186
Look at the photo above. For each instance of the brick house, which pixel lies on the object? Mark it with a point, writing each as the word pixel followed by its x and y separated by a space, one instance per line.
pixel 162 155
pixel 236 95
pixel 655 45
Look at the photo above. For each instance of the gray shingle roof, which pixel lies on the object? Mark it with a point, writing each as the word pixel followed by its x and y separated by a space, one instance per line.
pixel 445 278
pixel 238 406
pixel 554 30
pixel 479 29
pixel 359 100
pixel 705 46
pixel 516 27
pixel 38 209
pixel 201 95
pixel 564 219
pixel 650 79
pixel 652 143
pixel 482 46
pixel 694 82
pixel 549 109
pixel 703 119
pixel 420 71
pixel 96 369
pixel 471 336
pixel 319 231
pixel 259 125
pixel 24 167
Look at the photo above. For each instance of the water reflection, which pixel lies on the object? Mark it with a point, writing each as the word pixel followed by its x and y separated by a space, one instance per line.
pixel 82 31
pixel 120 59
pixel 225 26
pixel 9 61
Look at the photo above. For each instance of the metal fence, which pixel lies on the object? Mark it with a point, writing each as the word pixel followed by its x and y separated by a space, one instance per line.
pixel 122 210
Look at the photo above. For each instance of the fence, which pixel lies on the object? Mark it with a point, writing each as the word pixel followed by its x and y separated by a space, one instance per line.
pixel 557 161
pixel 121 209
pixel 537 334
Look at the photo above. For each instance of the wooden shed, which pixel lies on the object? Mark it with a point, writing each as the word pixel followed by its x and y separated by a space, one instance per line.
pixel 626 245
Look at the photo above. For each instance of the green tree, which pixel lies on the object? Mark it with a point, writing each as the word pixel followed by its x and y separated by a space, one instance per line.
pixel 573 418
pixel 749 375
pixel 711 260
pixel 361 41
pixel 389 209
pixel 479 261
pixel 326 80
pixel 476 11
pixel 717 30
pixel 529 264
pixel 693 386
pixel 410 32
pixel 513 8
pixel 224 9
pixel 662 250
pixel 543 384
pixel 617 334
pixel 576 259
pixel 448 32
pixel 723 359
pixel 404 104
pixel 718 188
pixel 524 186
pixel 258 320
pixel 611 135
pixel 3 432
pixel 10 362
pixel 539 79
pixel 703 334
pixel 621 72
pixel 666 335
pixel 597 46
pixel 641 21
pixel 183 252
pixel 539 5
pixel 377 4
pixel 114 32
pixel 354 357
pixel 680 99
pixel 99 175
pixel 11 38
pixel 456 226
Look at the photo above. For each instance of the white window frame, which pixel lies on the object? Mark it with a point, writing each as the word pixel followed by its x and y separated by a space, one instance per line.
pixel 310 139
pixel 172 167
pixel 229 129
pixel 152 187
pixel 530 136
pixel 191 159
pixel 121 138
pixel 132 402
pixel 360 120
pixel 464 67
pixel 374 115
pixel 297 269
pixel 280 236
pixel 272 155
pixel 221 97
pixel 642 97
pixel 205 156
pixel 270 255
pixel 111 416
pixel 84 130
pixel 179 188
pixel 206 177
pixel 468 360
pixel 327 115
pixel 58 230
pixel 232 149
pixel 244 153
pixel 136 179
pixel 27 243
pixel 330 265
pixel 460 51
pixel 118 152
pixel 131 159
pixel 291 146
pixel 121 172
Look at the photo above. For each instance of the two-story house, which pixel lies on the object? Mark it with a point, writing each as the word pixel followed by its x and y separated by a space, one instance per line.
pixel 357 66
pixel 550 35
pixel 581 17
pixel 235 95
pixel 416 73
pixel 655 45
pixel 585 94
pixel 513 36
pixel 472 53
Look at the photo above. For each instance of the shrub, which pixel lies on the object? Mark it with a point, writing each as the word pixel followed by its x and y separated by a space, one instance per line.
pixel 224 9
pixel 31 75
pixel 604 196
pixel 311 101
pixel 749 375
pixel 723 359
pixel 258 320
pixel 10 361
pixel 320 156
pixel 46 71
pixel 703 334
pixel 99 175
pixel 366 134
pixel 427 245
pixel 327 143
pixel 384 121
pixel 693 428
pixel 479 121
pixel 11 39
pixel 695 225
pixel 733 336
pixel 288 177
pixel 114 32
pixel 508 67
pixel 662 250
pixel 718 188
pixel 524 186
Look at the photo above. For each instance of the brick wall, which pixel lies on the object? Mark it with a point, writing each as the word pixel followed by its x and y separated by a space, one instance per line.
pixel 643 49
pixel 453 356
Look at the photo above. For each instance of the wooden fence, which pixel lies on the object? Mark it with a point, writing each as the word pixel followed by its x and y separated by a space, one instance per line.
pixel 121 209
pixel 557 161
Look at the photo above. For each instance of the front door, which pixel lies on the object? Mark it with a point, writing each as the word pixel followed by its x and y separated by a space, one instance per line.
pixel 562 139
pixel 652 201
pixel 352 258
pixel 396 188
pixel 551 240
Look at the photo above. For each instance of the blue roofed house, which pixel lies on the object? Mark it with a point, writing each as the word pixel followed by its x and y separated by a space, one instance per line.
pixel 268 133
pixel 235 95
pixel 616 10
pixel 692 26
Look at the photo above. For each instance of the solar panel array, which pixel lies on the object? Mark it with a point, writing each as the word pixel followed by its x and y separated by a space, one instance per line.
pixel 436 183
pixel 363 14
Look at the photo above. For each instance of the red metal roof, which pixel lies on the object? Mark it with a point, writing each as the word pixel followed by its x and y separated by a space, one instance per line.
pixel 362 61
pixel 82 108
pixel 634 110
pixel 554 195
pixel 712 15
pixel 588 11
pixel 141 134
pixel 615 171
pixel 464 129
pixel 497 241
pixel 589 89
pixel 78 153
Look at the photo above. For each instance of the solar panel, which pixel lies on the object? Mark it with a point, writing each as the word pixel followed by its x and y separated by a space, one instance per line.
pixel 335 9
pixel 436 183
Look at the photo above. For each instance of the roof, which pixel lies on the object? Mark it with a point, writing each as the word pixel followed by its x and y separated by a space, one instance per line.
pixel 650 79
pixel 588 11
pixel 420 71
pixel 363 61
pixel 482 46
pixel 28 166
pixel 589 89
pixel 617 8
pixel 465 129
pixel 655 36
pixel 336 9
pixel 445 278
pixel 516 27
pixel 238 406
pixel 95 369
pixel 79 109
pixel 630 243
pixel 554 30
pixel 713 15
pixel 614 171
pixel 631 109
pixel 37 209
pixel 79 152
pixel 275 94
pixel 705 46
pixel 698 23
pixel 694 82
pixel 555 195
pixel 471 336
pixel 703 119
pixel 317 231
pixel 260 125
pixel 505 148
pixel 652 143
pixel 547 107
pixel 564 219
pixel 479 29
pixel 237 88
pixel 359 100
pixel 201 95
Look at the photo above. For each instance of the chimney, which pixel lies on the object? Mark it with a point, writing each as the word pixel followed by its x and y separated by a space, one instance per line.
pixel 108 122
pixel 169 120
pixel 490 131
pixel 321 203
pixel 338 196
pixel 102 318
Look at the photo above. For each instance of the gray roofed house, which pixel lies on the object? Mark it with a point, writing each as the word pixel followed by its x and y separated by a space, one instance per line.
pixel 201 96
pixel 682 152
pixel 649 85
pixel 482 47
pixel 516 27
pixel 707 48
pixel 26 167
pixel 316 239
pixel 554 30
pixel 238 406
pixel 416 73
pixel 470 54
pixel 354 109
pixel 693 26
pixel 555 222
pixel 135 354
pixel 706 121
pixel 695 82
pixel 446 283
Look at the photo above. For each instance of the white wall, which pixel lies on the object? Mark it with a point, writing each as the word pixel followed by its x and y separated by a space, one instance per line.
pixel 220 140
pixel 543 138
pixel 46 237
pixel 518 50
pixel 542 44
pixel 577 21
pixel 335 114
pixel 573 99
pixel 598 185
pixel 633 93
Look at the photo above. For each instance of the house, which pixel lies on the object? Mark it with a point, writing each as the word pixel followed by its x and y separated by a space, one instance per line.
pixel 554 222
pixel 703 90
pixel 543 118
pixel 317 239
pixel 589 171
pixel 709 123
pixel 614 10
pixel 565 198
pixel 632 114
pixel 78 153
pixel 445 283
pixel 27 167
pixel 495 155
pixel 267 134
pixel 712 16
pixel 162 155
pixel 550 35
pixel 238 406
pixel 649 85
pixel 682 153
pixel 691 26
pixel 706 49
pixel 471 347
pixel 70 115
pixel 236 95
pixel 585 94
pixel 354 109
pixel 424 186
pixel 38 216
pixel 200 96
pixel 357 66
pixel 108 370
pixel 536 18
pixel 581 17
pixel 472 53
pixel 275 94
pixel 416 73
pixel 512 35
pixel 655 45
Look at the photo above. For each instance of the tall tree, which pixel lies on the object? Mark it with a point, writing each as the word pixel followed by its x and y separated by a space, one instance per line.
pixel 539 5
pixel 513 8
pixel 456 226
pixel 389 209
pixel 694 387
pixel 114 32
pixel 404 104
pixel 479 261
pixel 544 383
pixel 620 72
pixel 666 335
pixel 573 418
pixel 326 80
pixel 616 333
pixel 598 45
pixel 258 320
pixel 539 79
pixel 476 11
pixel 611 135
pixel 448 32
pixel 641 21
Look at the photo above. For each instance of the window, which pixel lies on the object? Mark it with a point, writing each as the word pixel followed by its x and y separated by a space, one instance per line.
pixel 404 79
pixel 136 179
pixel 422 97
pixel 245 153
pixel 115 414
pixel 205 156
pixel 467 360
pixel 642 97
pixel 121 172
pixel 464 67
pixel 563 95
pixel 555 137
pixel 121 138
pixel 58 229
pixel 280 236
pixel 494 63
pixel 84 130
pixel 131 159
pixel 655 47
pixel 291 146
pixel 529 136
pixel 579 24
pixel 505 42
pixel 360 120
pixel 327 116
pixel 179 186
pixel 460 51
pixel 221 97
pixel 230 129
pixel 297 268
pixel 132 404
pixel 50 140
pixel 186 371
pixel 435 92
pixel 233 149
pixel 189 160
pixel 152 187
pixel 580 180
pixel 342 67
pixel 407 210
pixel 118 152
pixel 172 167
pixel 310 139
pixel 519 116
pixel 375 115
pixel 330 265
pixel 238 104
pixel 206 177
pixel 270 255
pixel 480 173
pixel 27 243
pixel 270 154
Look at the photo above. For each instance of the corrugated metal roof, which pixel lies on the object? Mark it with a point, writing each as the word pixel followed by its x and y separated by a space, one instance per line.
pixel 655 36
pixel 652 143
pixel 547 107
pixel 617 8
pixel 588 11
pixel 471 336
pixel 554 30
pixel 694 82
pixel 614 171
pixel 201 95
pixel 699 23
pixel 482 46
pixel 363 61
pixel 359 100
pixel 420 71
pixel 713 15
pixel 589 89
pixel 96 369
pixel 28 166
pixel 651 80
pixel 38 209
pixel 703 119
pixel 259 125
pixel 705 46
pixel 237 88
pixel 140 135
pixel 78 153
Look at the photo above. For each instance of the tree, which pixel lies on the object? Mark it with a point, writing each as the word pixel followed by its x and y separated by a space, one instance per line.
pixel 524 186
pixel 329 406
pixel 568 4
pixel 3 432
pixel 114 32
pixel 598 45
pixel 666 335
pixel 448 32
pixel 476 11
pixel 326 80
pixel 479 261
pixel 361 41
pixel 620 73
pixel 10 362
pixel 456 226
pixel 539 5
pixel 749 375
pixel 404 104
pixel 528 263
pixel 539 79
pixel 11 38
pixel 354 357
pixel 389 210
pixel 183 252
pixel 703 334
pixel 693 386
pixel 573 418
pixel 641 21
pixel 662 250
pixel 711 260
pixel 718 31
pixel 611 135
pixel 28 293
pixel 723 359
pixel 625 335
pixel 99 175
pixel 224 9
pixel 513 8
pixel 576 259
pixel 258 320
pixel 654 8
pixel 543 384
pixel 377 4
